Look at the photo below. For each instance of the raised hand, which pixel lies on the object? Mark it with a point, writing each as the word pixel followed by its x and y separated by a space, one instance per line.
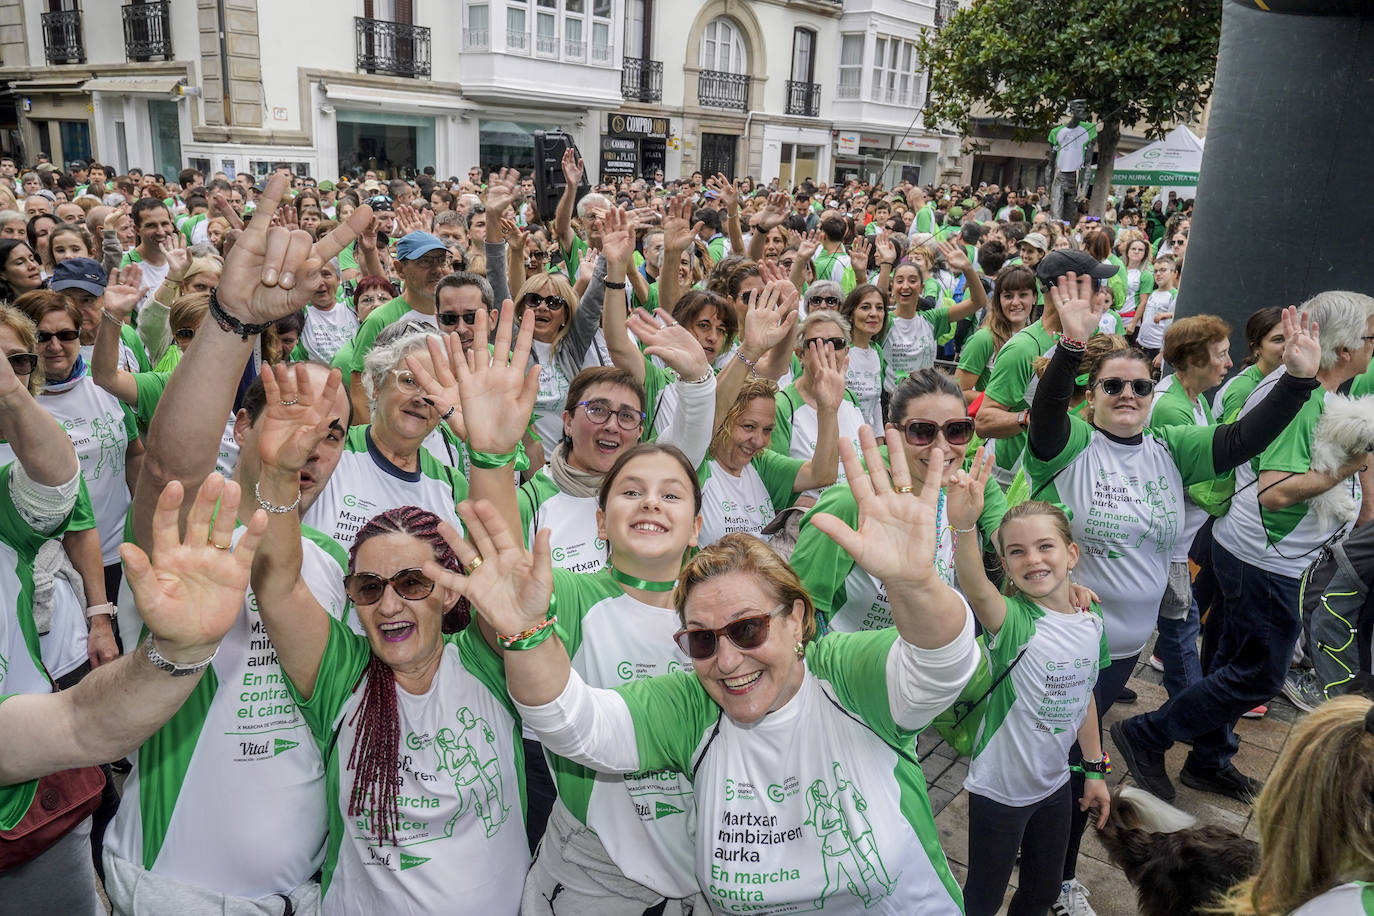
pixel 295 420
pixel 587 267
pixel 769 321
pixel 808 244
pixel 955 256
pixel 678 230
pixel 407 220
pixel 964 490
pixel 271 270
pixel 1302 349
pixel 617 238
pixel 887 252
pixel 178 256
pixel 512 233
pixel 502 189
pixel 774 213
pixel 726 190
pixel 123 292
pixel 220 206
pixel 859 253
pixel 193 594
pixel 669 341
pixel 510 587
pixel 573 167
pixel 895 538
pixel 827 371
pixel 1072 297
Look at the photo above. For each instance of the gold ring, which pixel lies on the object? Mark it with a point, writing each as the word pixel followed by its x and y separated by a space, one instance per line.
pixel 903 489
pixel 220 546
pixel 476 562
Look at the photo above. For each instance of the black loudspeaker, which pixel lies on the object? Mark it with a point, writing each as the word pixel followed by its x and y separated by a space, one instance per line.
pixel 1286 153
pixel 548 171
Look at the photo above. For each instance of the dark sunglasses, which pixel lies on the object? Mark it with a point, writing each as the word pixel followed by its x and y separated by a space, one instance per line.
pixel 449 319
pixel 552 303
pixel 746 633
pixel 184 333
pixel 66 336
pixel 836 343
pixel 832 301
pixel 958 431
pixel 23 363
pixel 1141 387
pixel 364 589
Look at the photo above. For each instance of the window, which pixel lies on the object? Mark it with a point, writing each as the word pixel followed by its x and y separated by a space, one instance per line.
pixel 476 35
pixel 722 47
pixel 851 66
pixel 601 31
pixel 894 70
pixel 803 48
pixel 574 46
pixel 636 12
pixel 546 26
pixel 517 26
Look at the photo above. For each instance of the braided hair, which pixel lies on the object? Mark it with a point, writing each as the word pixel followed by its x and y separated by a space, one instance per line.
pixel 375 758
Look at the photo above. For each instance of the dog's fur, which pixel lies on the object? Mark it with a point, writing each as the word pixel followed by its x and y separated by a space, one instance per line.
pixel 1176 867
pixel 1346 429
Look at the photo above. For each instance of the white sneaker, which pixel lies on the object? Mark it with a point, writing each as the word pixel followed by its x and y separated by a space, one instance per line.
pixel 1073 900
pixel 1156 664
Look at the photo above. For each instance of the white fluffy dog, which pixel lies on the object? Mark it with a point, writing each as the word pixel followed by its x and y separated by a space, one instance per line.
pixel 1346 429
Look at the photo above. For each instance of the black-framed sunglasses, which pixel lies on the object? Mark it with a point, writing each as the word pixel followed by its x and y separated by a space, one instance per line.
pixel 599 412
pixel 746 633
pixel 364 589
pixel 832 301
pixel 836 343
pixel 1140 387
pixel 451 319
pixel 67 335
pixel 184 333
pixel 958 431
pixel 552 303
pixel 23 363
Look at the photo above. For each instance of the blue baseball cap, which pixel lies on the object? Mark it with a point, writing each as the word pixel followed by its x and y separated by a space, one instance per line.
pixel 417 245
pixel 80 273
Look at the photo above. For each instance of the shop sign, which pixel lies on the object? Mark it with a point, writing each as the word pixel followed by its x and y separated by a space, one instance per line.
pixel 847 142
pixel 619 157
pixel 638 126
pixel 920 144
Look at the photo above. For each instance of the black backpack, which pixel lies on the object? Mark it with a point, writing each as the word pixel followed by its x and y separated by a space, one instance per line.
pixel 1337 606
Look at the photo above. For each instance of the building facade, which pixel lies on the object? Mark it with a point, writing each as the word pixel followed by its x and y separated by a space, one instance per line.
pixel 794 89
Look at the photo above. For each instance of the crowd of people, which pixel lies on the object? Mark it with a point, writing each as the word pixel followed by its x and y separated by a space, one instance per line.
pixel 408 552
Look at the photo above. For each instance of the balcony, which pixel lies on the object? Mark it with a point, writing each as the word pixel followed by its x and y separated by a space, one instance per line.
pixel 574 50
pixel 148 31
pixel 518 41
pixel 804 98
pixel 716 89
pixel 641 80
pixel 476 40
pixel 392 48
pixel 62 37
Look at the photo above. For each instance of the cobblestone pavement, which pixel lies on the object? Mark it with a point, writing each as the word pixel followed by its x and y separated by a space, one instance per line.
pixel 1110 893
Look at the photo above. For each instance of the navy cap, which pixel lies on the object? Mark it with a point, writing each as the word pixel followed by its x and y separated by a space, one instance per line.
pixel 80 273
pixel 417 245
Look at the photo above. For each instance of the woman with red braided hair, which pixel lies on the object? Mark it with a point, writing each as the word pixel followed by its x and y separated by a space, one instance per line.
pixel 424 763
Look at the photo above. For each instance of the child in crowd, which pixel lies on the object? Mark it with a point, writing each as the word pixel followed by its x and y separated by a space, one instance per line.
pixel 1158 313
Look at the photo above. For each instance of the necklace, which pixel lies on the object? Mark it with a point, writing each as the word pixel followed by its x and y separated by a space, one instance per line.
pixel 648 585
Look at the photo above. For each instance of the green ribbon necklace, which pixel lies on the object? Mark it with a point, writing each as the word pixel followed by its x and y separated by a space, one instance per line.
pixel 648 585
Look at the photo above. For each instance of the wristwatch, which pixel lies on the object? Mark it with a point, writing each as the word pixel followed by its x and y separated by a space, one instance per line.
pixel 171 667
pixel 1023 419
pixel 97 610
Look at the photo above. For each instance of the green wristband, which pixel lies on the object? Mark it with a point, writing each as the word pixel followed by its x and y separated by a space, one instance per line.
pixel 491 460
pixel 541 633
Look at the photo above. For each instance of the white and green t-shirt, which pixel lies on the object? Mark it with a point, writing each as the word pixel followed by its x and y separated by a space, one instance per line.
pixel 553 390
pixel 575 542
pixel 229 794
pixel 326 331
pixel 460 793
pixel 1228 401
pixel 1010 385
pixel 909 344
pixel 646 819
pixel 796 425
pixel 365 484
pixel 748 502
pixel 820 805
pixel 1021 754
pixel 1125 504
pixel 101 428
pixel 133 357
pixel 864 379
pixel 1172 407
pixel 1353 899
pixel 1282 541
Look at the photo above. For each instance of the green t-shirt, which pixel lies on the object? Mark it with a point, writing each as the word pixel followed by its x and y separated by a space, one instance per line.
pixel 977 356
pixel 1009 381
pixel 381 317
pixel 1231 398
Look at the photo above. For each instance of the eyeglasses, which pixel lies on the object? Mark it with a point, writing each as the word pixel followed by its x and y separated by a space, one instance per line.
pixel 184 333
pixel 364 589
pixel 66 335
pixel 23 363
pixel 451 319
pixel 1140 387
pixel 832 301
pixel 552 303
pixel 431 262
pixel 836 343
pixel 406 381
pixel 746 633
pixel 958 431
pixel 627 418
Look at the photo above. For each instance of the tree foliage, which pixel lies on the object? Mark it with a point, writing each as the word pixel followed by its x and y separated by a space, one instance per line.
pixel 1149 62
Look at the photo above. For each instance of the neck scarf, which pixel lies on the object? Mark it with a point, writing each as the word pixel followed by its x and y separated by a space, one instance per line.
pixel 570 480
pixel 58 386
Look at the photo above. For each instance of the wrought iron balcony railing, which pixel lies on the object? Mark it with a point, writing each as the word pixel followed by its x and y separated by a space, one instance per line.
pixel 642 79
pixel 148 31
pixel 393 48
pixel 716 89
pixel 804 98
pixel 62 42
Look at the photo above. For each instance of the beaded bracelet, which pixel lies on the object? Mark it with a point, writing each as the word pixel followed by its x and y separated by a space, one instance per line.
pixel 528 639
pixel 230 324
pixel 492 460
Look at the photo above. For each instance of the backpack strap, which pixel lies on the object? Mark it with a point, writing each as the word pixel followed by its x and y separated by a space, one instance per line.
pixel 711 739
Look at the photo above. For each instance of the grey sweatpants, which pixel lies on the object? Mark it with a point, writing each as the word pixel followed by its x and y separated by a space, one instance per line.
pixel 135 891
pixel 60 882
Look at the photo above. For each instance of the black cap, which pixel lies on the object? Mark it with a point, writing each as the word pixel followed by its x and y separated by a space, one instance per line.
pixel 1063 261
pixel 76 164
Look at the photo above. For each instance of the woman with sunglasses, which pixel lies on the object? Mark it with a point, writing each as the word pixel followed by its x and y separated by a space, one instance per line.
pixel 1122 485
pixel 808 796
pixel 565 341
pixel 928 418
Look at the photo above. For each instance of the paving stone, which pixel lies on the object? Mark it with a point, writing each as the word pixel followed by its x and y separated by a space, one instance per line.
pixel 939 799
pixel 1270 732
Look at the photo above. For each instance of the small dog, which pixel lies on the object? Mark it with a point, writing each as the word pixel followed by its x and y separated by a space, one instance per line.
pixel 1176 867
pixel 1346 429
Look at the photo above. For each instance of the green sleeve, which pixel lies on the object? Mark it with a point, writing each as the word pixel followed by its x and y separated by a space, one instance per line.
pixel 656 381
pixel 131 340
pixel 994 508
pixel 1017 629
pixel 782 423
pixel 348 259
pixel 1292 450
pixel 83 513
pixel 822 564
pixel 855 664
pixel 572 258
pixel 148 388
pixel 1038 471
pixel 779 474
pixel 1362 385
pixel 716 248
pixel 938 318
pixel 671 713
pixel 1191 448
pixel 574 595
pixel 1104 652
pixel 1172 408
pixel 362 341
pixel 1012 372
pixel 977 352
pixel 343 359
pixel 346 655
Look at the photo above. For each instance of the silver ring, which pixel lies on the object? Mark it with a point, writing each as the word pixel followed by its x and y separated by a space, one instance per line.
pixel 290 403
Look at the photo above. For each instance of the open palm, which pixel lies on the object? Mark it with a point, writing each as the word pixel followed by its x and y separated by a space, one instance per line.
pixel 295 419
pixel 511 588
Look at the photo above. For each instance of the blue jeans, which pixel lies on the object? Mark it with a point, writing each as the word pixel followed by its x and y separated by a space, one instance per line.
pixel 1176 647
pixel 1259 629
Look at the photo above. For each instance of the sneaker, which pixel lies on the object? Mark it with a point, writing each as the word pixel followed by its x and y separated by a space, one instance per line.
pixel 1146 765
pixel 1302 689
pixel 1127 696
pixel 1227 781
pixel 1259 712
pixel 1073 900
pixel 1156 664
